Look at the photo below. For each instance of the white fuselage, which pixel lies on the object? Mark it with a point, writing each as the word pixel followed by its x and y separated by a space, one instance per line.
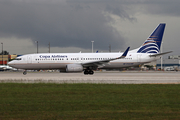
pixel 87 62
pixel 43 61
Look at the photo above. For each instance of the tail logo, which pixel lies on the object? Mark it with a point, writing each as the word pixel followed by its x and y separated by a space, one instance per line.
pixel 150 46
pixel 153 43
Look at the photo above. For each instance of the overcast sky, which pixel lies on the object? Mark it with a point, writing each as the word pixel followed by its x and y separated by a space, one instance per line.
pixel 71 25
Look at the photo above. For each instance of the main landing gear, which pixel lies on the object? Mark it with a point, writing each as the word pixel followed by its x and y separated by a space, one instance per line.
pixel 88 71
pixel 25 72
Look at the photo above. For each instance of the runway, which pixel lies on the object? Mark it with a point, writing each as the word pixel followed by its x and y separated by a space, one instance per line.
pixel 117 77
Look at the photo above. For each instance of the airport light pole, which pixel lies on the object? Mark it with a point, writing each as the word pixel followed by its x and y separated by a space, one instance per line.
pixel 92 45
pixel 109 47
pixel 2 54
pixel 162 57
pixel 49 47
pixel 37 45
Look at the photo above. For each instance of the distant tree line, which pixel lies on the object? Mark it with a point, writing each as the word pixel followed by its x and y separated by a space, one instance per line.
pixel 4 53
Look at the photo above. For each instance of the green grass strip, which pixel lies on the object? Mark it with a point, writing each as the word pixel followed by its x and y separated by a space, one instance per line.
pixel 89 101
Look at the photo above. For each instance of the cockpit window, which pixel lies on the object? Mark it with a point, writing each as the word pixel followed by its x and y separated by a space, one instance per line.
pixel 17 58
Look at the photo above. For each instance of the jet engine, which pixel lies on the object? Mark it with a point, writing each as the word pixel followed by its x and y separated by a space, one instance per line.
pixel 74 68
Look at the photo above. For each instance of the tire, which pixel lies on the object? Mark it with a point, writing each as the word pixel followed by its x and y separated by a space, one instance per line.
pixel 85 72
pixel 25 72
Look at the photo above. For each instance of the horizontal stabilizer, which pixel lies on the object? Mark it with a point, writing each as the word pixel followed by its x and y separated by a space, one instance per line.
pixel 160 54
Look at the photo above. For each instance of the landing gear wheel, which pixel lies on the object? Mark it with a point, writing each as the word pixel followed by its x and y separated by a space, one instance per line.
pixel 85 72
pixel 25 72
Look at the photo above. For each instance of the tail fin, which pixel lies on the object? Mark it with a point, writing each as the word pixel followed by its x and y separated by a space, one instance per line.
pixel 153 43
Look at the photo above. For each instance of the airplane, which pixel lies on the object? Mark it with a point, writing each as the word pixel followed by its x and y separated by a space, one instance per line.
pixel 6 67
pixel 78 62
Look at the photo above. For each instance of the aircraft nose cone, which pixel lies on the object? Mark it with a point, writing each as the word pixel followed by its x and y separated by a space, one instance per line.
pixel 10 63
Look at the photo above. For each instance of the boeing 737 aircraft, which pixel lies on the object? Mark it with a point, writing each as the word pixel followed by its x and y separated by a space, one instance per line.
pixel 87 62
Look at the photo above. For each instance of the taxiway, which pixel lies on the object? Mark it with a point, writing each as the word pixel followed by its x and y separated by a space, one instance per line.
pixel 116 77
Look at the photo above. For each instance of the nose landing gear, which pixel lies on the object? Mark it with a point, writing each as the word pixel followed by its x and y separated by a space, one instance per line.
pixel 25 72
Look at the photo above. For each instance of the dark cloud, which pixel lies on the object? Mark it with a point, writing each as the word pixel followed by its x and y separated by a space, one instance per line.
pixel 160 7
pixel 74 23
pixel 64 24
pixel 119 11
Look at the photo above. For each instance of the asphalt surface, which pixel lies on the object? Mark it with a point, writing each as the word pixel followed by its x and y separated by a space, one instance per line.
pixel 110 77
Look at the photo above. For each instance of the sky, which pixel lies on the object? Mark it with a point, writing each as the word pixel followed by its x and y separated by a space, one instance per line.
pixel 71 25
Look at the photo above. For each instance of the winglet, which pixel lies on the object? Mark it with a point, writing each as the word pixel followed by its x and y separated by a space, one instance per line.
pixel 124 54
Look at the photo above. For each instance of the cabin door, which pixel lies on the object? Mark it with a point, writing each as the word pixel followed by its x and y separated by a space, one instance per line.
pixel 29 59
pixel 138 58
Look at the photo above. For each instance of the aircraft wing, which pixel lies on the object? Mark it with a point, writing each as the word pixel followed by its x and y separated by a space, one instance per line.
pixel 160 54
pixel 103 62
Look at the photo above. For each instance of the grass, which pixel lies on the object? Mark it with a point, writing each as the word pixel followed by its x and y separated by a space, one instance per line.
pixel 89 101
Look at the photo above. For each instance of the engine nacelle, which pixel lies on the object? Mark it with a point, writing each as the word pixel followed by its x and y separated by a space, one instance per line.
pixel 74 68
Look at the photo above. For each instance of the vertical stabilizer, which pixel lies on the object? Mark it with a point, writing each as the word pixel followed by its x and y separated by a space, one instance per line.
pixel 153 42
